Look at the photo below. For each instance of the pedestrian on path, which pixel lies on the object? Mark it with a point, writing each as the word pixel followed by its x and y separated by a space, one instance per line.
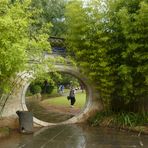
pixel 61 89
pixel 72 97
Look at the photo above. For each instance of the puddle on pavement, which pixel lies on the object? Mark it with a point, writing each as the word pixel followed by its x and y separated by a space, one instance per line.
pixel 75 136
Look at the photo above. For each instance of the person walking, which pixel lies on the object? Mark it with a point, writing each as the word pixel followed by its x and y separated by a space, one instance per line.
pixel 61 89
pixel 72 96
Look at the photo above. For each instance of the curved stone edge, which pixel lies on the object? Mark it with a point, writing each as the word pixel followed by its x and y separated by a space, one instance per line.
pixel 17 99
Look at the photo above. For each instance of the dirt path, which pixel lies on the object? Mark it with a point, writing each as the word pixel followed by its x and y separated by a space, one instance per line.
pixel 61 109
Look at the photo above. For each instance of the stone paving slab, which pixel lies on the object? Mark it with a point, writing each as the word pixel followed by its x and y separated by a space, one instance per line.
pixel 75 136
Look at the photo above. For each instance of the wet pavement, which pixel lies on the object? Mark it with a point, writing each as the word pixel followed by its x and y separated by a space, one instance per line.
pixel 75 136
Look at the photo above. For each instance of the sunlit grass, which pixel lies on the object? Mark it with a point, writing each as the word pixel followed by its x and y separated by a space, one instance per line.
pixel 62 100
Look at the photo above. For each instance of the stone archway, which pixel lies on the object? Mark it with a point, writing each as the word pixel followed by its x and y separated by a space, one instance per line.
pixel 17 99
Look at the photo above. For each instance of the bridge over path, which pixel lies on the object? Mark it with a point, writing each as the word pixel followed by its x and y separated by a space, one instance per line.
pixel 16 99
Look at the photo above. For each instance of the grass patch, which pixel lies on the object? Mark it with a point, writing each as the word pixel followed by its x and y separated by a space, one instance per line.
pixel 4 132
pixel 62 100
pixel 121 119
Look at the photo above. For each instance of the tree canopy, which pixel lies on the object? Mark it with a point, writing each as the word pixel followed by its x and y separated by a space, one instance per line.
pixel 19 41
pixel 52 11
pixel 109 40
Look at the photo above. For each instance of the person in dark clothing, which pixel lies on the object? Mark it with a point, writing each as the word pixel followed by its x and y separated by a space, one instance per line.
pixel 72 97
pixel 45 87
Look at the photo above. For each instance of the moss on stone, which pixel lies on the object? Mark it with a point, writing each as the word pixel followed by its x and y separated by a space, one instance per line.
pixel 4 132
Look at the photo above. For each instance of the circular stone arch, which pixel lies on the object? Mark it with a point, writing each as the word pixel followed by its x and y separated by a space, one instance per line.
pixel 92 103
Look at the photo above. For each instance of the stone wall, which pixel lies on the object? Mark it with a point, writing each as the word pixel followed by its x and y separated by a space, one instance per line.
pixel 17 99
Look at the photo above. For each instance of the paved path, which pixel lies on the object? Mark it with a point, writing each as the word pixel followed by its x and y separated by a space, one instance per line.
pixel 75 136
pixel 48 114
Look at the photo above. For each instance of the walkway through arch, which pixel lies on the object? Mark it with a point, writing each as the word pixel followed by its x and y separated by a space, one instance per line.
pixel 17 99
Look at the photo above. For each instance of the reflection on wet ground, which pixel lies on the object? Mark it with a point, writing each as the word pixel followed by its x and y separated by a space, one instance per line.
pixel 75 136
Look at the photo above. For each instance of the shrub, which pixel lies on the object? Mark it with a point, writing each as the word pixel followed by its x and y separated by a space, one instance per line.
pixel 122 119
pixel 34 89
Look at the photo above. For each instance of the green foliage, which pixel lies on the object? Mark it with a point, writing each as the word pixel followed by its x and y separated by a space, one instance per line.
pixel 65 79
pixel 130 119
pixel 13 40
pixel 109 40
pixel 34 89
pixel 45 81
pixel 83 42
pixel 20 42
pixel 52 11
pixel 50 88
pixel 98 118
pixel 122 119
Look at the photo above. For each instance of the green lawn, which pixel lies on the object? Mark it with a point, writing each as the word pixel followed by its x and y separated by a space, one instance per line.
pixel 62 100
